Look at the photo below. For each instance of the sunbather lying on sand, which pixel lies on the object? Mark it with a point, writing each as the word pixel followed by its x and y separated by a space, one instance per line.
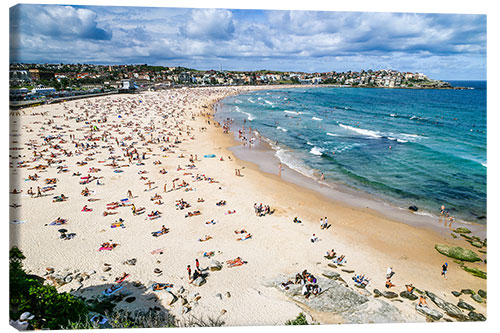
pixel 235 262
pixel 154 214
pixel 242 231
pixel 161 286
pixel 58 221
pixel 207 237
pixel 86 209
pixel 164 230
pixel 208 254
pixel 211 222
pixel 108 246
pixel 60 198
pixel 121 278
pixel 296 220
pixel 247 236
pixel 195 213
pixel 50 181
pixel 113 288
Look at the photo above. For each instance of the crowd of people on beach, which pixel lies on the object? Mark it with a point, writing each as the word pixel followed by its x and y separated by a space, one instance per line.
pixel 153 149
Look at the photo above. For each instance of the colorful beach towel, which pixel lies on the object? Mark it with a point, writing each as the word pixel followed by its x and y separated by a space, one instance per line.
pixel 107 292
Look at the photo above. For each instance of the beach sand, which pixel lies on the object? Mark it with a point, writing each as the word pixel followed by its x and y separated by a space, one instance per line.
pixel 370 241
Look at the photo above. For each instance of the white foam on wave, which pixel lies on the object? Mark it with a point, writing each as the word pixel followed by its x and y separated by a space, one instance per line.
pixel 315 118
pixel 268 102
pixel 287 159
pixel 316 151
pixel 292 112
pixel 250 100
pixel 281 128
pixel 373 134
pixel 484 164
pixel 332 134
pixel 250 116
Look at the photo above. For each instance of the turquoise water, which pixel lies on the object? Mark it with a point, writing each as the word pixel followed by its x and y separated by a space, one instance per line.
pixel 410 147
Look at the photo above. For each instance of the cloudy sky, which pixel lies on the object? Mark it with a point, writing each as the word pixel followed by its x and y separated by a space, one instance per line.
pixel 443 46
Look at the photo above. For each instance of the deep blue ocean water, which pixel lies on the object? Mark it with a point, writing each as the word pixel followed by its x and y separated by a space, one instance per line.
pixel 410 147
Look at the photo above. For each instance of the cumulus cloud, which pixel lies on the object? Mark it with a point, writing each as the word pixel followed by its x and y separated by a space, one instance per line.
pixel 208 24
pixel 248 39
pixel 58 22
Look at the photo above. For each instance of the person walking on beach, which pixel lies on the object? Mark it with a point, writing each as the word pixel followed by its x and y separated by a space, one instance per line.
pixel 280 168
pixel 197 264
pixel 129 194
pixel 444 269
pixel 189 271
pixel 389 273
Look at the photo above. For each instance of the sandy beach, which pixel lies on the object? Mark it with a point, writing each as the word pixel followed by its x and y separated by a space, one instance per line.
pixel 160 146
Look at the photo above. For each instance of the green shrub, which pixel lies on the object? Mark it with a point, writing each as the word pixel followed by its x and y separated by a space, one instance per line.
pixel 300 320
pixel 52 310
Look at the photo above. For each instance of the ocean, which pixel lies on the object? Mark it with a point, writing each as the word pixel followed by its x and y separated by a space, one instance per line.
pixel 408 147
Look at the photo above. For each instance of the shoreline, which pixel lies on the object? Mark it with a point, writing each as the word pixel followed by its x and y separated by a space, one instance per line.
pixel 263 155
pixel 369 241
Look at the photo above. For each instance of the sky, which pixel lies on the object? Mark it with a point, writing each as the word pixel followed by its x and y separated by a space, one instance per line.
pixel 442 46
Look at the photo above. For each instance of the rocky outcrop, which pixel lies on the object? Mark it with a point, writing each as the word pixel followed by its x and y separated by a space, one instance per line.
pixel 389 294
pixel 330 275
pixel 199 281
pixel 408 295
pixel 457 252
pixel 428 312
pixel 465 305
pixel 462 230
pixel 481 293
pixel 474 316
pixel 477 298
pixel 339 299
pixel 373 311
pixel 451 309
pixel 215 265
